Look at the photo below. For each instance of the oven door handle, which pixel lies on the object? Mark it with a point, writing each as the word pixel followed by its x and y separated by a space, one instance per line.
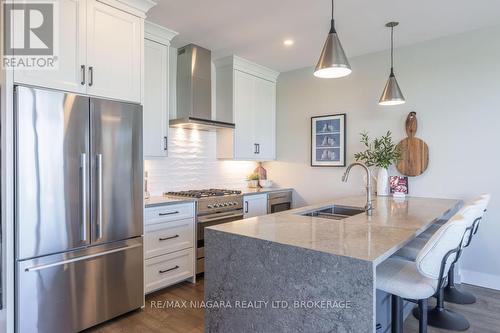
pixel 220 217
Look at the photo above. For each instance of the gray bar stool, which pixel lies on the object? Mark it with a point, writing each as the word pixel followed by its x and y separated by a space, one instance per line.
pixel 452 293
pixel 439 316
pixel 418 280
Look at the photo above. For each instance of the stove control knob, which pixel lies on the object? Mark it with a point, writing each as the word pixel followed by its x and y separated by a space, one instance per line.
pixel 210 206
pixel 216 205
pixel 227 204
pixel 235 203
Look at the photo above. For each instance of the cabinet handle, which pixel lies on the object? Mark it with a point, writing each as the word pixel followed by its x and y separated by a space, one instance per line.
pixel 165 143
pixel 91 76
pixel 256 148
pixel 246 207
pixel 82 71
pixel 168 213
pixel 167 238
pixel 168 270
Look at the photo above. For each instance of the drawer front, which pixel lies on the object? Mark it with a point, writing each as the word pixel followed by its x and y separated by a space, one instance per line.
pixel 168 269
pixel 168 237
pixel 168 213
pixel 74 291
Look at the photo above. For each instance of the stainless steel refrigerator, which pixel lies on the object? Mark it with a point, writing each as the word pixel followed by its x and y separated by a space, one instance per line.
pixel 79 210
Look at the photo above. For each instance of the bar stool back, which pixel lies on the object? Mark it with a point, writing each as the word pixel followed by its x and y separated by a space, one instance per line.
pixel 419 280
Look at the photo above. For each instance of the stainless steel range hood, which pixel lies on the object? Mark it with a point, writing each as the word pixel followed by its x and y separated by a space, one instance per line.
pixel 194 90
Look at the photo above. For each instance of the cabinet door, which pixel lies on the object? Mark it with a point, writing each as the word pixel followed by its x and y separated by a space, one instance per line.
pixel 71 56
pixel 255 205
pixel 155 99
pixel 113 52
pixel 265 119
pixel 244 101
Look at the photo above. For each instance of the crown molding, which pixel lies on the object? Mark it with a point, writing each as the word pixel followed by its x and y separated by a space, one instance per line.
pixel 158 33
pixel 247 66
pixel 135 7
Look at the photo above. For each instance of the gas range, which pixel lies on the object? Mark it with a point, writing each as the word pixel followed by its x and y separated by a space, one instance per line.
pixel 212 201
pixel 213 206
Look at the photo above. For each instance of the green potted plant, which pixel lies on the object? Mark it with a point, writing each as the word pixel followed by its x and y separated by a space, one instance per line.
pixel 382 153
pixel 253 180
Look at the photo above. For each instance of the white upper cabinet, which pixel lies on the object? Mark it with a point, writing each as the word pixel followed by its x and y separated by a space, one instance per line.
pixel 244 106
pixel 246 95
pixel 156 89
pixel 70 72
pixel 265 119
pixel 100 50
pixel 114 40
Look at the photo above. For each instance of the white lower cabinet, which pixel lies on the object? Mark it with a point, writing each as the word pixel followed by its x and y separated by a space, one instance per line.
pixel 168 237
pixel 169 245
pixel 168 269
pixel 254 205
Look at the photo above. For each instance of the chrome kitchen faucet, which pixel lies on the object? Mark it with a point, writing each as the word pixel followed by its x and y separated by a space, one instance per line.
pixel 345 177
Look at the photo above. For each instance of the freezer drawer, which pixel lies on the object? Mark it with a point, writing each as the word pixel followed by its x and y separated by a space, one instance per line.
pixel 70 292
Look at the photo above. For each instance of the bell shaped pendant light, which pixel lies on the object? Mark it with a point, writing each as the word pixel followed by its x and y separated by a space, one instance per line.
pixel 333 62
pixel 392 94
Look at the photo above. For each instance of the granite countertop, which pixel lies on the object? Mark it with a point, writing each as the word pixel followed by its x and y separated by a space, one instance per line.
pixel 250 191
pixel 155 201
pixel 394 223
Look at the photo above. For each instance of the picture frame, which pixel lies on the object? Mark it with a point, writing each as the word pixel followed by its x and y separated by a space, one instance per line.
pixel 328 140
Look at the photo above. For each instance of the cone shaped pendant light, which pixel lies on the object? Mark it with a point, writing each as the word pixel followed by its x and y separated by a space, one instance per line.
pixel 392 94
pixel 333 62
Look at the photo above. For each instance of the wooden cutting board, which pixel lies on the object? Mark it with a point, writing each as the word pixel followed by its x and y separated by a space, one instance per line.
pixel 414 151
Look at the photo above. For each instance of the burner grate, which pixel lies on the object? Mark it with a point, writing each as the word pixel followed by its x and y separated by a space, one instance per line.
pixel 212 192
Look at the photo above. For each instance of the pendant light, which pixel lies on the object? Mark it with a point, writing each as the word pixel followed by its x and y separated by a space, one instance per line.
pixel 333 62
pixel 392 95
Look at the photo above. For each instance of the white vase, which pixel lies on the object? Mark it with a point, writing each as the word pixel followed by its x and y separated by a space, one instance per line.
pixel 382 182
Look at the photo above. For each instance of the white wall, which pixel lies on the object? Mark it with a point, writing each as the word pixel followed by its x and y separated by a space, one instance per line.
pixel 454 86
pixel 192 164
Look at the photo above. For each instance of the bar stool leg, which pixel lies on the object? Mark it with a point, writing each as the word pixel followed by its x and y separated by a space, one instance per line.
pixel 396 314
pixel 422 322
pixel 453 294
pixel 443 318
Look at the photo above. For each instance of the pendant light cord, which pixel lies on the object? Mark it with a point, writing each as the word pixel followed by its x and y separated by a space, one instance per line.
pixel 332 27
pixel 392 50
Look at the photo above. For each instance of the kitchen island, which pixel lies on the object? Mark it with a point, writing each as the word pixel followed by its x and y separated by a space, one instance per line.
pixel 288 272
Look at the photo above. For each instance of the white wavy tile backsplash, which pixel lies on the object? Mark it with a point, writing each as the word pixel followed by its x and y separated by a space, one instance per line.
pixel 192 164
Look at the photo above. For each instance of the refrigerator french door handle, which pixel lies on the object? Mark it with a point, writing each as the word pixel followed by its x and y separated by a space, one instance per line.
pixel 99 196
pixel 90 256
pixel 83 193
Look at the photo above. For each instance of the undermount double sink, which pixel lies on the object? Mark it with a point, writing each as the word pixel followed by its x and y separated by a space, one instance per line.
pixel 335 212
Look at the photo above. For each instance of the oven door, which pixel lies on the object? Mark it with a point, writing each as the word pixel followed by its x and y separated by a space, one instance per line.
pixel 208 221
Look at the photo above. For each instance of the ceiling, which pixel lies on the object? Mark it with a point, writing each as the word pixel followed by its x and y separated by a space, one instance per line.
pixel 255 29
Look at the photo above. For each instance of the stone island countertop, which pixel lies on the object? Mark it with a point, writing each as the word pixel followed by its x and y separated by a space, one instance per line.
pixel 374 238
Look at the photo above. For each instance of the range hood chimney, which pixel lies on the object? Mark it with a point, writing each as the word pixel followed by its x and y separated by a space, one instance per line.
pixel 194 90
